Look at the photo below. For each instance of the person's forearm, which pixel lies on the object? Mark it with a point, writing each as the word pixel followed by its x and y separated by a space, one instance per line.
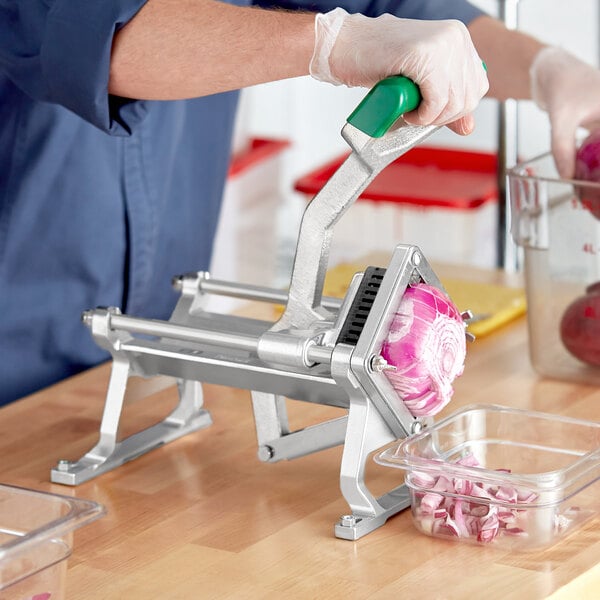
pixel 508 55
pixel 174 49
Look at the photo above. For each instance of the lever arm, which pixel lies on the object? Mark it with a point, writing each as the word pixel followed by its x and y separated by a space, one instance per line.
pixel 375 143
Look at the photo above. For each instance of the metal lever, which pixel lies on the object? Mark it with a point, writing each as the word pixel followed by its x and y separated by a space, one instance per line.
pixel 369 156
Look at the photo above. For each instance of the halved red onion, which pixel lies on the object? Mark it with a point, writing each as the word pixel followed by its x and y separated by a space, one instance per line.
pixel 426 343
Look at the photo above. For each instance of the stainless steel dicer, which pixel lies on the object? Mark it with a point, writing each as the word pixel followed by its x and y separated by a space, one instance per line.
pixel 322 350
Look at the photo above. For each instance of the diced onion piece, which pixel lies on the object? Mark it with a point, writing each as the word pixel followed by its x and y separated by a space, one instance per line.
pixel 440 513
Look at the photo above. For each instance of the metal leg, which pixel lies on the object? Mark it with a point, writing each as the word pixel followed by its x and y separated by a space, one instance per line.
pixel 191 401
pixel 366 432
pixel 275 440
pixel 109 427
pixel 108 453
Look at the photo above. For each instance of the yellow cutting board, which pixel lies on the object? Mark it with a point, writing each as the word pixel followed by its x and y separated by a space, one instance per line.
pixel 501 303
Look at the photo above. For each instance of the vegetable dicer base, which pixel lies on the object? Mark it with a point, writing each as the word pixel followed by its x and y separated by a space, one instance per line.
pixel 321 350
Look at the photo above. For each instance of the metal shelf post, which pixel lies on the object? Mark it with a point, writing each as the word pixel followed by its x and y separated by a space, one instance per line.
pixel 508 138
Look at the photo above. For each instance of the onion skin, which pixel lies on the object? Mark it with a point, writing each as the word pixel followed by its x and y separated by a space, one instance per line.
pixel 587 168
pixel 426 343
pixel 580 328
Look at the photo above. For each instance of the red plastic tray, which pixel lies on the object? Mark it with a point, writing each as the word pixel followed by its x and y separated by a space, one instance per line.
pixel 425 176
pixel 257 151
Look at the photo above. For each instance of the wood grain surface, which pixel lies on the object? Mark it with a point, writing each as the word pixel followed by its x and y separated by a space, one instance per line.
pixel 203 518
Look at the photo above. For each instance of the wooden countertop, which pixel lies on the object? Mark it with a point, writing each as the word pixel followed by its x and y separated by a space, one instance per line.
pixel 203 518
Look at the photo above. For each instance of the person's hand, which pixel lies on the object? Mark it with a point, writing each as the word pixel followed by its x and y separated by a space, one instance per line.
pixel 438 56
pixel 569 90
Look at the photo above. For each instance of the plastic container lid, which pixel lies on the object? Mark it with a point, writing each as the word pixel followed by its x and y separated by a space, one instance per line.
pixel 425 176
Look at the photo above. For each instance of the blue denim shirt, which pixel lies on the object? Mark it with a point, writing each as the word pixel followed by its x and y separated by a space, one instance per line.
pixel 103 199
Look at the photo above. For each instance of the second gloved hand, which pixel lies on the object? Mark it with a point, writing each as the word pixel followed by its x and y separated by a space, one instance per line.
pixel 438 56
pixel 569 90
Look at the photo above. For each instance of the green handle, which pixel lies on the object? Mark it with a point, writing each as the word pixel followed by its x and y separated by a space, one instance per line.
pixel 385 102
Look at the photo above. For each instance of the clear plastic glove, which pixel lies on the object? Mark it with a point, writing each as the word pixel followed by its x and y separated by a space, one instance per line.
pixel 438 56
pixel 569 90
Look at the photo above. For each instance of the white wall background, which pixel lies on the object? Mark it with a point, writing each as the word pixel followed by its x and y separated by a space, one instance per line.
pixel 311 114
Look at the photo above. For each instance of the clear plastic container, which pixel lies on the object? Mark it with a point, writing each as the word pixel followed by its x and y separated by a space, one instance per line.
pixel 500 476
pixel 557 223
pixel 36 540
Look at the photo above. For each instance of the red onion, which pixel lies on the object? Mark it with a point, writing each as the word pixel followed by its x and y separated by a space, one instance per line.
pixel 580 327
pixel 587 168
pixel 426 343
